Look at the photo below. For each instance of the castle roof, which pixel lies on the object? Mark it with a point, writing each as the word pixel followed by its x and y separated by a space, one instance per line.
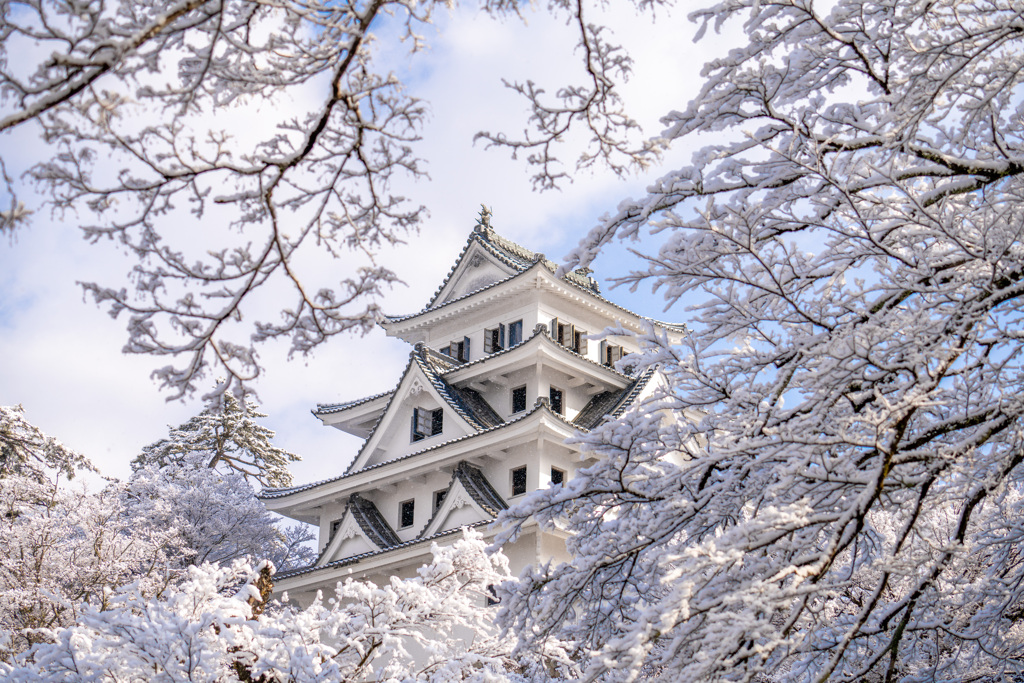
pixel 519 260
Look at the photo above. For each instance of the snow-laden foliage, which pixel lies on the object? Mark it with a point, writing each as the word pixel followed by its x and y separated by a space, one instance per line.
pixel 273 121
pixel 225 436
pixel 217 626
pixel 216 515
pixel 27 451
pixel 62 549
pixel 850 505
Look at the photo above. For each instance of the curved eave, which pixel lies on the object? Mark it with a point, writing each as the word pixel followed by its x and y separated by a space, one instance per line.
pixel 355 417
pixel 538 343
pixel 537 276
pixel 414 552
pixel 295 501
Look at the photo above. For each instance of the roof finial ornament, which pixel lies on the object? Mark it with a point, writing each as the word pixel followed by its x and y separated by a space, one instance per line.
pixel 484 221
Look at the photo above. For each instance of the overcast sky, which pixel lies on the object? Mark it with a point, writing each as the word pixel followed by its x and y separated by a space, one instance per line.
pixel 60 356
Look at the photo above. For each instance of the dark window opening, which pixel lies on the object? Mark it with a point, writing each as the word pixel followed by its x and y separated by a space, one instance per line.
pixel 515 333
pixel 334 529
pixel 610 354
pixel 557 476
pixel 459 350
pixel 439 498
pixel 555 397
pixel 494 339
pixel 518 399
pixel 519 481
pixel 406 513
pixel 579 342
pixel 426 423
pixel 568 336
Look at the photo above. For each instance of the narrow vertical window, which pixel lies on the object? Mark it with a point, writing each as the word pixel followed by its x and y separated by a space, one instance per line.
pixel 515 333
pixel 439 498
pixel 555 397
pixel 610 354
pixel 579 342
pixel 557 476
pixel 519 481
pixel 406 513
pixel 518 399
pixel 426 423
pixel 494 339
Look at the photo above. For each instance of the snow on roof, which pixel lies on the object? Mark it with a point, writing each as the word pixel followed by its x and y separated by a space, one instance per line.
pixel 356 558
pixel 611 404
pixel 328 408
pixel 511 254
pixel 267 494
pixel 479 489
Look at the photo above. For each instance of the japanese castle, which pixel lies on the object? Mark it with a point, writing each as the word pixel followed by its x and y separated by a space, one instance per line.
pixel 500 374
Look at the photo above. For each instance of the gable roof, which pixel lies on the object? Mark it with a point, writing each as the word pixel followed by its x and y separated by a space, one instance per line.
pixel 388 320
pixel 507 253
pixel 369 523
pixel 465 403
pixel 372 522
pixel 468 480
pixel 611 404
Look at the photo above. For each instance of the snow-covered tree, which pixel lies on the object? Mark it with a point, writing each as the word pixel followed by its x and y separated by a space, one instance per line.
pixel 63 549
pixel 849 507
pixel 225 436
pixel 219 627
pixel 271 120
pixel 215 515
pixel 26 450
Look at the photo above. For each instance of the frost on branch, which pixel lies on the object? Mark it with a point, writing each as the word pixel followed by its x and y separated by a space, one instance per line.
pixel 217 627
pixel 268 123
pixel 215 515
pixel 851 249
pixel 224 436
pixel 27 451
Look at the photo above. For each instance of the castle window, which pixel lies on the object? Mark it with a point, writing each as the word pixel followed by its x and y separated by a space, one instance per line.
pixel 557 476
pixel 439 498
pixel 579 342
pixel 406 513
pixel 426 423
pixel 568 336
pixel 555 397
pixel 459 350
pixel 519 481
pixel 610 354
pixel 494 339
pixel 515 333
pixel 518 399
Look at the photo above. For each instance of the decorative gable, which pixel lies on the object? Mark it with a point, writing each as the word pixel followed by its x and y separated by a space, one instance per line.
pixel 361 529
pixel 470 498
pixel 422 409
pixel 476 268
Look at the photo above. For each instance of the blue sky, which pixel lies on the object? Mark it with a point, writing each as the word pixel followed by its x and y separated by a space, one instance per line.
pixel 61 356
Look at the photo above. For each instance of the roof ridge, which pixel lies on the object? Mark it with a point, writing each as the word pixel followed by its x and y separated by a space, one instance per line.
pixel 362 556
pixel 328 408
pixel 678 327
pixel 267 494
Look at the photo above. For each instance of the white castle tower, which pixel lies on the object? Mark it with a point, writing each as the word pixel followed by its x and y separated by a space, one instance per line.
pixel 500 375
